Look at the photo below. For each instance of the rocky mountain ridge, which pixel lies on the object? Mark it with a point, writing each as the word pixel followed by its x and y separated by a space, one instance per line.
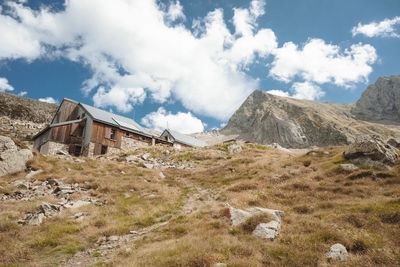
pixel 264 118
pixel 23 117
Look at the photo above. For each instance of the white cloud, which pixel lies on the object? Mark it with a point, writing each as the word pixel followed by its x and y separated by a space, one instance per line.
pixel 4 85
pixel 320 63
pixel 278 93
pixel 49 99
pixel 140 49
pixel 301 90
pixel 132 44
pixel 384 28
pixel 182 122
pixel 307 91
pixel 175 11
pixel 23 93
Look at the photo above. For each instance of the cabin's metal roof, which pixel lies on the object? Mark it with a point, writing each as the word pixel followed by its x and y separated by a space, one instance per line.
pixel 186 139
pixel 114 119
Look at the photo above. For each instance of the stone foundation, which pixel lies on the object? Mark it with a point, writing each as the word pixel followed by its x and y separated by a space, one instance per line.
pixel 88 150
pixel 113 150
pixel 130 144
pixel 51 148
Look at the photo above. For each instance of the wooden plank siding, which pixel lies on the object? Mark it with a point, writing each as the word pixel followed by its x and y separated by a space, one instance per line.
pixel 68 112
pixel 101 135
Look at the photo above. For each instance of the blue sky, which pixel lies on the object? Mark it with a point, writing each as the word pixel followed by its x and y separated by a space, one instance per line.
pixel 192 63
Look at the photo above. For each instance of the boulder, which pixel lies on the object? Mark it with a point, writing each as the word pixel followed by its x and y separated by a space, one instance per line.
pixel 49 209
pixel 371 151
pixel 267 230
pixel 6 143
pixel 12 161
pixel 337 252
pixel 234 148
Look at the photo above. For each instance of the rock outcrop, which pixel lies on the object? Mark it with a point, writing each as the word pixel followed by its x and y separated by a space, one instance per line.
pixel 264 118
pixel 337 252
pixel 267 230
pixel 372 152
pixel 12 159
pixel 380 102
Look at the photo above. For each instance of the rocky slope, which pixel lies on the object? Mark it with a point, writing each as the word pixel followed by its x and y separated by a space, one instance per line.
pixel 266 118
pixel 380 102
pixel 23 117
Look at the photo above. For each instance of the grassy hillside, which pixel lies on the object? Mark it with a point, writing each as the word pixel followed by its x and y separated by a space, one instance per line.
pixel 182 219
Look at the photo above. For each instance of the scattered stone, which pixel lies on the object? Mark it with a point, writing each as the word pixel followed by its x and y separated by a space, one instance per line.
pixel 234 148
pixel 267 230
pixel 337 252
pixel 220 264
pixel 395 142
pixel 131 158
pixel 76 204
pixel 327 153
pixel 162 176
pixel 80 216
pixel 113 238
pixel 126 195
pixel 349 167
pixel 128 250
pixel 6 143
pixel 122 172
pixel 372 152
pixel 68 169
pixel 32 219
pixel 33 173
pixel 146 156
pixel 148 165
pixel 79 160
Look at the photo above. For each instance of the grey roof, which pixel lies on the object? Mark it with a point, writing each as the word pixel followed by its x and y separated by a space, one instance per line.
pixel 186 139
pixel 114 119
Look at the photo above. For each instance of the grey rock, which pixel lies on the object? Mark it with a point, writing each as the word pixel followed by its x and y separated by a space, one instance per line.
pixel 6 143
pixel 234 148
pixel 276 215
pixel 162 176
pixel 371 151
pixel 395 142
pixel 349 167
pixel 33 219
pixel 267 230
pixel 337 252
pixel 265 119
pixel 49 209
pixel 12 161
pixel 380 102
pixel 238 216
pixel 148 165
pixel 220 264
pixel 33 173
pixel 145 156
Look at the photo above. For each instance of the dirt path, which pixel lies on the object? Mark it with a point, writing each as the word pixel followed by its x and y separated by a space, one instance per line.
pixel 106 247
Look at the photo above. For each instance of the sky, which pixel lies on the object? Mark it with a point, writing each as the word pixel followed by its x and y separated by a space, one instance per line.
pixel 188 65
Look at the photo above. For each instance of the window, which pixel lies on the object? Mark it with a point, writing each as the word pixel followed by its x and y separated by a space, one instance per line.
pixel 103 150
pixel 79 132
pixel 127 134
pixel 112 135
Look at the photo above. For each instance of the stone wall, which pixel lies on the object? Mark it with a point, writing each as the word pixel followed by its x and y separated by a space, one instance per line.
pixel 88 150
pixel 113 150
pixel 129 144
pixel 51 148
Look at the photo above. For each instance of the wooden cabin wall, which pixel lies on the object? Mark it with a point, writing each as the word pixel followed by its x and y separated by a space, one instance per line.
pixel 101 135
pixel 68 111
pixel 61 134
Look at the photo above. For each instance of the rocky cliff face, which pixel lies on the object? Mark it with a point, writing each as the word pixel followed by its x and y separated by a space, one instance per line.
pixel 380 102
pixel 23 117
pixel 265 119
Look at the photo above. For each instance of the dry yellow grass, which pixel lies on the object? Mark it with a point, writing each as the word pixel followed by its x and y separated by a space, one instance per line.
pixel 323 205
